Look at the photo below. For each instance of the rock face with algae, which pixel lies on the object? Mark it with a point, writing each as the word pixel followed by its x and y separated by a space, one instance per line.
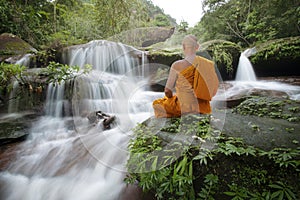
pixel 13 48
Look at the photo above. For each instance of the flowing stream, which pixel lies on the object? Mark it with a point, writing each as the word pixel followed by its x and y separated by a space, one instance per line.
pixel 65 156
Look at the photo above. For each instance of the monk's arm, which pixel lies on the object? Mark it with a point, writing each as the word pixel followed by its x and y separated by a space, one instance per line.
pixel 171 82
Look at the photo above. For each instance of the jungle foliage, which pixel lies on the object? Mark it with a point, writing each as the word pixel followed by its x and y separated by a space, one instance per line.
pixel 7 73
pixel 42 22
pixel 250 21
pixel 247 22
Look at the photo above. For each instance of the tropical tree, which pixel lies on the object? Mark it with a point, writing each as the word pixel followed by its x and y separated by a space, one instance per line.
pixel 161 20
pixel 250 21
pixel 183 26
pixel 115 16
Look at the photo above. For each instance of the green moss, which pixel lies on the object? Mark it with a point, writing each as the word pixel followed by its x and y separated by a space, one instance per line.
pixel 164 56
pixel 285 48
pixel 12 45
pixel 224 53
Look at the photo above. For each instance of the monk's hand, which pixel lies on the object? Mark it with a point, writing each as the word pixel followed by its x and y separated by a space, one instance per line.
pixel 168 93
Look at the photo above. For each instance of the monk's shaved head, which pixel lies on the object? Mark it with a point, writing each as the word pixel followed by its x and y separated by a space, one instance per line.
pixel 190 41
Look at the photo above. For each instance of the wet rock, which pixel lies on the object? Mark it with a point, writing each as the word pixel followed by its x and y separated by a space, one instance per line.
pixel 99 116
pixel 263 132
pixel 15 127
pixel 273 93
pixel 13 48
pixel 229 103
pixel 8 153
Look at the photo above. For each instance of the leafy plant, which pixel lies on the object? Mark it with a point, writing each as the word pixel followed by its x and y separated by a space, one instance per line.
pixel 282 191
pixel 210 185
pixel 237 193
pixel 221 56
pixel 57 72
pixel 265 195
pixel 8 74
pixel 203 155
pixel 235 146
pixel 286 157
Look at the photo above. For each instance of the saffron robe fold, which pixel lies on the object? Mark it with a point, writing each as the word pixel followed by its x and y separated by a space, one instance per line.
pixel 185 101
pixel 206 82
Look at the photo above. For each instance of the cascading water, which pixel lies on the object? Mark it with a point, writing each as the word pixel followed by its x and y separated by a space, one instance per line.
pixel 245 70
pixel 25 60
pixel 246 82
pixel 65 157
pixel 13 105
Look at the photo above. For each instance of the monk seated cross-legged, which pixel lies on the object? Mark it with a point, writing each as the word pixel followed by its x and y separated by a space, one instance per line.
pixel 195 81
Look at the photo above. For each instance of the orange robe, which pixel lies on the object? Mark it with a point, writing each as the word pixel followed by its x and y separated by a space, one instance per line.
pixel 185 100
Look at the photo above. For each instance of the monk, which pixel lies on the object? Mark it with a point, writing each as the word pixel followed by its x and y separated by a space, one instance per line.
pixel 194 80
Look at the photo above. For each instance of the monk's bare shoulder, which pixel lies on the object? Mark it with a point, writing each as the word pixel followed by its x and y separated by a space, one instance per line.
pixel 177 65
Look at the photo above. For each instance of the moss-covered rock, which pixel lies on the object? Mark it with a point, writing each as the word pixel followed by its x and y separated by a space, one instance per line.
pixel 279 57
pixel 164 56
pixel 143 37
pixel 11 45
pixel 226 55
pixel 265 122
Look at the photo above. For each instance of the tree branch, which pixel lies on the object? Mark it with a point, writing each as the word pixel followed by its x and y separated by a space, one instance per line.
pixel 236 33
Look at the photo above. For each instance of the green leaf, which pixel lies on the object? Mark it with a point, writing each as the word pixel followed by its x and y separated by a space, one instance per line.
pixel 230 193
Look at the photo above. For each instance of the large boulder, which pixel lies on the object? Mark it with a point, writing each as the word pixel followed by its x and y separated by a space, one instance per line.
pixel 12 48
pixel 143 37
pixel 279 57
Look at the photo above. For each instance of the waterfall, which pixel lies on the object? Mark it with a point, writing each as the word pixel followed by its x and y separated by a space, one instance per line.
pixel 245 82
pixel 25 60
pixel 13 104
pixel 245 70
pixel 65 156
pixel 119 60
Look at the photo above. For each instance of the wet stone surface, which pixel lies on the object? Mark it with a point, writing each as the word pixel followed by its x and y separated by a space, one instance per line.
pixel 15 127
